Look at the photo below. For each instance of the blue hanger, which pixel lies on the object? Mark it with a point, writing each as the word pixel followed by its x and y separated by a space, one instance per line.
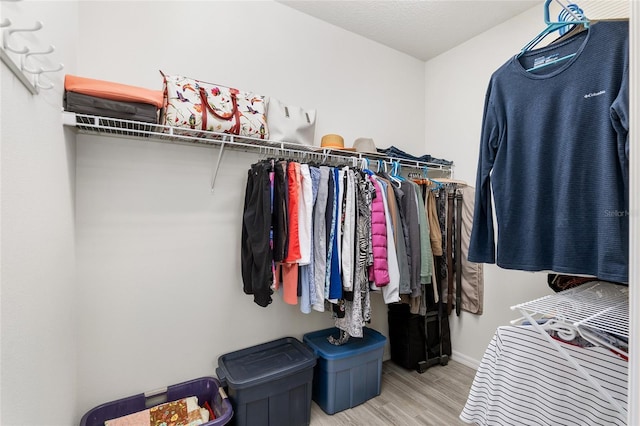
pixel 437 185
pixel 567 15
pixel 395 172
pixel 554 26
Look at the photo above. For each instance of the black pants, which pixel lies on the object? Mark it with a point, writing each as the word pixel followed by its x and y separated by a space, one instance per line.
pixel 256 256
pixel 280 218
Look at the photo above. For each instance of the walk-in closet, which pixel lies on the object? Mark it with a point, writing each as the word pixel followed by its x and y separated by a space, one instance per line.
pixel 462 169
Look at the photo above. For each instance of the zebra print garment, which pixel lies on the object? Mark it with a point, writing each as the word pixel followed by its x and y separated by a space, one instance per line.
pixel 358 312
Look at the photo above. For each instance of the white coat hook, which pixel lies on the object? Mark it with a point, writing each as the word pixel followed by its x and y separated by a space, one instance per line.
pixel 6 22
pixel 23 59
pixel 60 67
pixel 39 85
pixel 7 34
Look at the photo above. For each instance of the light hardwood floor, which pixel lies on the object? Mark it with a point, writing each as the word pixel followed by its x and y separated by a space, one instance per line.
pixel 408 398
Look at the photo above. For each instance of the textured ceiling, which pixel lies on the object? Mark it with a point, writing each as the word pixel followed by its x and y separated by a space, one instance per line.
pixel 422 29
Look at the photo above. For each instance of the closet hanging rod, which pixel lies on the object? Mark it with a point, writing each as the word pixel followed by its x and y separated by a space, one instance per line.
pixel 128 128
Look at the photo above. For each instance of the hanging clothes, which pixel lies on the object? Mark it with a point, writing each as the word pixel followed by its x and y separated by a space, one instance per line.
pixel 358 310
pixel 434 226
pixel 413 226
pixel 320 239
pixel 335 279
pixel 557 167
pixel 348 230
pixel 459 277
pixel 472 273
pixel 294 191
pixel 327 228
pixel 280 216
pixel 308 294
pixel 379 271
pixel 255 256
pixel 402 240
pixel 425 240
pixel 391 291
pixel 330 219
pixel 305 214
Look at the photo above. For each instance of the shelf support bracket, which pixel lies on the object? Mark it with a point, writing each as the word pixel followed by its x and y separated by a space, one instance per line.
pixel 17 72
pixel 217 166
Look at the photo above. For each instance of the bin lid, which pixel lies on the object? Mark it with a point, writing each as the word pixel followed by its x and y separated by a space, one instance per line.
pixel 265 362
pixel 317 340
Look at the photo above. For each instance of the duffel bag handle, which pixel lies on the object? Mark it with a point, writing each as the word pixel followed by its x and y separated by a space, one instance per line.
pixel 234 111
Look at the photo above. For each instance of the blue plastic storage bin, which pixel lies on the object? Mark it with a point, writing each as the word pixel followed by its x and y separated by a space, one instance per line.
pixel 346 375
pixel 269 384
pixel 206 389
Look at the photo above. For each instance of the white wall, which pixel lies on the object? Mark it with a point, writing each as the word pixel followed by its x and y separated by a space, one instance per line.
pixel 456 82
pixel 160 294
pixel 37 261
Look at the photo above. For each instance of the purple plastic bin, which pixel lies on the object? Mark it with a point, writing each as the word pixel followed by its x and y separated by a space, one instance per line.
pixel 205 388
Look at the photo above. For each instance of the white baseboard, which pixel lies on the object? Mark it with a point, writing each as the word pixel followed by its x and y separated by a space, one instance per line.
pixel 466 360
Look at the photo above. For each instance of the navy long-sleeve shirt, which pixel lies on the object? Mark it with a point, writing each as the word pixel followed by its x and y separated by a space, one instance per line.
pixel 554 153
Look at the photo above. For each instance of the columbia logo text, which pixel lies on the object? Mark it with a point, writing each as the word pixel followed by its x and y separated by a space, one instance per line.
pixel 592 94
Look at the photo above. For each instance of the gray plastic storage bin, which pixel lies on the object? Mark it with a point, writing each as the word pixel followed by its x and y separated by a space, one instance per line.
pixel 269 384
pixel 346 375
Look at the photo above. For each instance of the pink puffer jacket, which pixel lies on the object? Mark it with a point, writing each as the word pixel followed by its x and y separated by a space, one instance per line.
pixel 379 271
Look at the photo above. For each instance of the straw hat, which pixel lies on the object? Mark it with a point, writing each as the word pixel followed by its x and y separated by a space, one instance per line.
pixel 332 141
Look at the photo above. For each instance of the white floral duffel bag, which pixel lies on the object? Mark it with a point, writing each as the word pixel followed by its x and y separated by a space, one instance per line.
pixel 198 105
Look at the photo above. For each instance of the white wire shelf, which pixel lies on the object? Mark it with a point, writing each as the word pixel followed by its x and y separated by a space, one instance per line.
pixel 599 305
pixel 90 124
pixel 594 306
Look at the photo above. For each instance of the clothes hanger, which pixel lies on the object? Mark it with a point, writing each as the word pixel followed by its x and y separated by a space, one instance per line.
pixel 554 26
pixel 395 174
pixel 456 181
pixel 435 185
pixel 574 29
pixel 365 166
